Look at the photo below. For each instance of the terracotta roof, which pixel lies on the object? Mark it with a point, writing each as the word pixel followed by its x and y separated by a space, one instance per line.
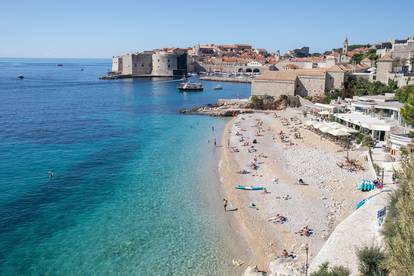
pixel 291 66
pixel 335 68
pixel 290 75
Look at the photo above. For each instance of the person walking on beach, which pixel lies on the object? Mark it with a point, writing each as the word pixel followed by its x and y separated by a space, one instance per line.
pixel 225 204
pixel 215 142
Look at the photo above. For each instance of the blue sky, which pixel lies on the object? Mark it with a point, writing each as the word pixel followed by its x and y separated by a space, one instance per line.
pixel 92 28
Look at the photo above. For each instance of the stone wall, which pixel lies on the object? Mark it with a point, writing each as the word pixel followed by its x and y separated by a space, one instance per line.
pixel 273 88
pixel 127 64
pixel 310 86
pixel 334 80
pixel 403 50
pixel 164 64
pixel 142 64
pixel 116 65
pixel 383 70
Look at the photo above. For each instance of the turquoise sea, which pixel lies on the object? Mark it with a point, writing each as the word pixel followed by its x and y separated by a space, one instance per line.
pixel 135 185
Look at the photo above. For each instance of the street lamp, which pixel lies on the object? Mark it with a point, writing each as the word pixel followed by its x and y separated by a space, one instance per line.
pixel 306 248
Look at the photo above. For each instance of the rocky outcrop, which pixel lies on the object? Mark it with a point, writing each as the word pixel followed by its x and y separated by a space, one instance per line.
pixel 223 108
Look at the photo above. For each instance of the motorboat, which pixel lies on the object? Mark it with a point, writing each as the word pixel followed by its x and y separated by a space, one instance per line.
pixel 20 77
pixel 218 87
pixel 190 86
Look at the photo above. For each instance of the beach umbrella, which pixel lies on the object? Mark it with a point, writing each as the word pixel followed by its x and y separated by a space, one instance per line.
pixel 350 130
pixel 318 124
pixel 335 125
pixel 338 132
pixel 324 112
pixel 309 123
pixel 325 129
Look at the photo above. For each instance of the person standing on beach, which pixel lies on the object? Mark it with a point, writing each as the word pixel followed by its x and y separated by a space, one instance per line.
pixel 215 142
pixel 225 204
pixel 212 128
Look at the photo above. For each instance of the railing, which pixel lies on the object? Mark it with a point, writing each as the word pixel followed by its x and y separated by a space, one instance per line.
pixel 400 139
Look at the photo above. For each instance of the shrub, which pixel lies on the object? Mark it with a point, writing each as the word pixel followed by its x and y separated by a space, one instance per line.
pixel 293 101
pixel 324 270
pixel 404 93
pixel 399 227
pixel 264 102
pixel 371 260
pixel 256 102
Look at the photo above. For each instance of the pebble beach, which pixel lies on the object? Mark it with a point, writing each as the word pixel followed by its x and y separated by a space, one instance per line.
pixel 274 150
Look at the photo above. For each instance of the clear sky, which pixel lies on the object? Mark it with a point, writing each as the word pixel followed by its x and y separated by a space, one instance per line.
pixel 92 28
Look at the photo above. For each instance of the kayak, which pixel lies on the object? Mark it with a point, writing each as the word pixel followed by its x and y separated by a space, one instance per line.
pixel 250 188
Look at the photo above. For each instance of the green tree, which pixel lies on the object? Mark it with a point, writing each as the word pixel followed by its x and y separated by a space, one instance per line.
pixel 403 93
pixel 256 102
pixel 357 58
pixel 412 64
pixel 399 227
pixel 371 54
pixel 325 270
pixel 407 112
pixel 392 84
pixel 371 259
pixel 332 95
pixel 367 141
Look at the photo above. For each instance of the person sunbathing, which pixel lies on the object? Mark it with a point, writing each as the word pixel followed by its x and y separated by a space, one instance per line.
pixel 305 231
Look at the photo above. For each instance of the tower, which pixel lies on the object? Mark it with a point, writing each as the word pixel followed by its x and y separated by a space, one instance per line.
pixel 345 46
pixel 384 67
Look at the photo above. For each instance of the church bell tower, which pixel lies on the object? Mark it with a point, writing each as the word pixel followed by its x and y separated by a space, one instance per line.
pixel 345 46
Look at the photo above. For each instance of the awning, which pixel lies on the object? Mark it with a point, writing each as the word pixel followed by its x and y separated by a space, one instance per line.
pixel 326 129
pixel 339 132
pixel 324 112
pixel 309 123
pixel 318 124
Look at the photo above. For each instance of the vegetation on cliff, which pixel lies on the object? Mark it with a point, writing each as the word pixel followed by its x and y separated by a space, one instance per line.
pixel 270 103
pixel 399 228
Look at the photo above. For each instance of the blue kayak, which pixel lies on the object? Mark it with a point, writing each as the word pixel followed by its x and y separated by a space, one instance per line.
pixel 249 188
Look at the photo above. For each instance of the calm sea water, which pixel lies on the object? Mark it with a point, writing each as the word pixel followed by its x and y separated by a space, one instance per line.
pixel 135 186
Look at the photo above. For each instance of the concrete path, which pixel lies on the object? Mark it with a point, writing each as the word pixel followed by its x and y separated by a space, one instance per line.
pixel 361 227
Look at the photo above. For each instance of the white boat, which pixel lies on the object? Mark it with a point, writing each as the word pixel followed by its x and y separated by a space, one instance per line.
pixel 189 86
pixel 20 77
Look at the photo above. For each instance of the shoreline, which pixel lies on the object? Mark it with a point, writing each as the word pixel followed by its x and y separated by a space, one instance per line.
pixel 238 219
pixel 322 205
pixel 224 79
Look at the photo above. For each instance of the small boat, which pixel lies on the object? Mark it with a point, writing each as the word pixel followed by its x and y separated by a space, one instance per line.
pixel 20 77
pixel 59 64
pixel 218 87
pixel 189 86
pixel 249 188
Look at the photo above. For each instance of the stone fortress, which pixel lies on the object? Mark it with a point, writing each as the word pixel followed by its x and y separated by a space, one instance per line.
pixel 156 63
